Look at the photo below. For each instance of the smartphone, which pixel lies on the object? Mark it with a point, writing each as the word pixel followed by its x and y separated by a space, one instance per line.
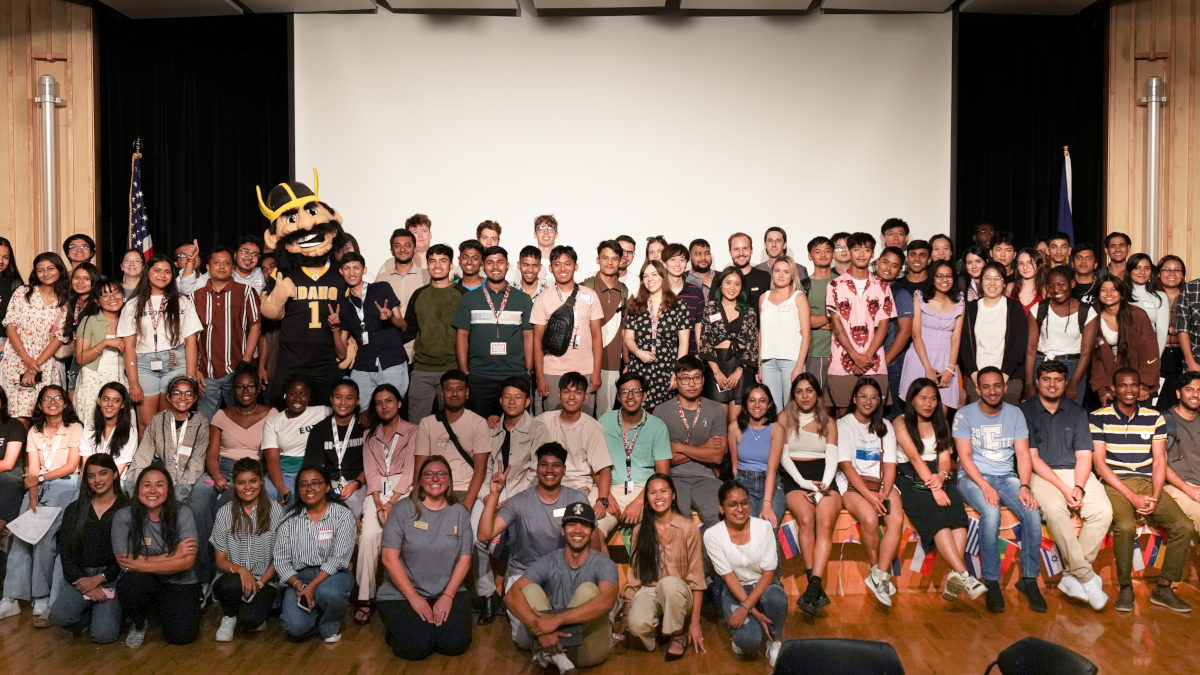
pixel 302 604
pixel 887 507
pixel 38 376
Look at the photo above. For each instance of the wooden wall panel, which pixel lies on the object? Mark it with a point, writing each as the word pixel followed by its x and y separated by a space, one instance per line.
pixel 1148 38
pixel 47 37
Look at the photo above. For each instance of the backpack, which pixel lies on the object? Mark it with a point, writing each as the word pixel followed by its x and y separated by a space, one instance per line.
pixel 1044 311
pixel 560 327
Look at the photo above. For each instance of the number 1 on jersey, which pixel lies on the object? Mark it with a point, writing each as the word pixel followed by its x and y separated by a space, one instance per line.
pixel 315 308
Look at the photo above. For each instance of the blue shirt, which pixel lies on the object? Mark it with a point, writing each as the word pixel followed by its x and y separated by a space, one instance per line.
pixel 903 299
pixel 1058 435
pixel 993 438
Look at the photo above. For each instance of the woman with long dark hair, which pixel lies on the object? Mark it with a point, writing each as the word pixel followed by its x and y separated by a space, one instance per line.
pixel 1141 279
pixel 12 463
pixel 52 455
pixel 10 277
pixel 995 333
pixel 243 537
pixel 665 584
pixel 154 539
pixel 809 459
pixel 235 432
pixel 88 602
pixel 1122 337
pixel 729 342
pixel 1172 272
pixel 936 334
pixel 80 303
pixel 427 551
pixel 159 325
pixel 971 271
pixel 312 556
pixel 34 324
pixel 926 478
pixel 1029 283
pixel 177 438
pixel 1057 331
pixel 753 437
pixel 656 332
pixel 98 350
pixel 113 431
pixel 867 457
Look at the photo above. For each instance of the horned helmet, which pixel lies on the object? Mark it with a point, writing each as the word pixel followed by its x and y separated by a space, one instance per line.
pixel 301 224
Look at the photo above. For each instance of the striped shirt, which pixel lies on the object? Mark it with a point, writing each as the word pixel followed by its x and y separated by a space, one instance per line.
pixel 227 316
pixel 252 551
pixel 326 543
pixel 1128 440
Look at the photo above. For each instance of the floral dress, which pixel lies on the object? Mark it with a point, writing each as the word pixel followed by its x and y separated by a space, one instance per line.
pixel 36 323
pixel 742 334
pixel 661 338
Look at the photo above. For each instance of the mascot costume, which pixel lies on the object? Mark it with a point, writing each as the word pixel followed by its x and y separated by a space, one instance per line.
pixel 306 288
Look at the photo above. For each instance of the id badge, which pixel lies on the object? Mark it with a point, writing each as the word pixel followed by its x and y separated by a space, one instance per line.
pixel 575 342
pixel 156 365
pixel 499 349
pixel 559 513
pixel 366 338
pixel 185 451
pixel 324 535
pixel 387 488
pixel 628 487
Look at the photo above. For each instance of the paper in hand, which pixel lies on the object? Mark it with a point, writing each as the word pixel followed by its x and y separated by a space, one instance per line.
pixel 31 526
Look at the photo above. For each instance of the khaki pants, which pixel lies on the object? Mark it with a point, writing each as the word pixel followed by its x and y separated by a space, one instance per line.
pixel 1166 515
pixel 366 568
pixel 1190 508
pixel 1079 551
pixel 617 495
pixel 605 397
pixel 670 601
pixel 597 633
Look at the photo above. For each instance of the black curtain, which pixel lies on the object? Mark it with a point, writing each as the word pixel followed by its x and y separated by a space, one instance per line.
pixel 211 99
pixel 1025 87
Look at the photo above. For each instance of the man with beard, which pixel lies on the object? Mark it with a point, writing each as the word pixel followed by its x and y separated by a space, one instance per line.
pixel 755 282
pixel 1116 245
pixel 1183 447
pixel 612 295
pixel 401 272
pixel 917 255
pixel 701 274
pixel 775 245
pixel 628 249
pixel 696 427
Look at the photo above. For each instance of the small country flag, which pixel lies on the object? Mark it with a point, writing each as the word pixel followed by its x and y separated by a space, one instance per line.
pixel 972 536
pixel 922 562
pixel 789 539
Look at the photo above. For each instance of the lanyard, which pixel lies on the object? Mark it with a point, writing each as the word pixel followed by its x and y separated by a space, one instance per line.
pixel 156 316
pixel 46 458
pixel 387 455
pixel 177 435
pixel 487 295
pixel 688 427
pixel 629 443
pixel 340 447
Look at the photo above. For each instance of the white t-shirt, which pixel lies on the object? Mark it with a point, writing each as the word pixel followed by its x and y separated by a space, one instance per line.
pixel 189 323
pixel 865 451
pixel 290 434
pixel 748 561
pixel 990 328
pixel 123 455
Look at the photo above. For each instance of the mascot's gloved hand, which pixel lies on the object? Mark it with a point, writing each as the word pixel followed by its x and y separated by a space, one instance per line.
pixel 351 351
pixel 276 293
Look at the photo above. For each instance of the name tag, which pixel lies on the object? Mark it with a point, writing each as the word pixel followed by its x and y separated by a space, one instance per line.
pixel 156 365
pixel 420 525
pixel 456 530
pixel 387 488
pixel 499 349
pixel 445 443
pixel 714 317
pixel 324 535
pixel 1149 305
pixel 584 297
pixel 366 338
pixel 185 451
pixel 147 541
pixel 558 513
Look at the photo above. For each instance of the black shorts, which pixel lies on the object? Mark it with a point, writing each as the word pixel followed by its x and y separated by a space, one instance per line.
pixel 812 470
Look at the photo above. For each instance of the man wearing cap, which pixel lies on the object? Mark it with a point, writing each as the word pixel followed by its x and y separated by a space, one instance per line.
pixel 564 600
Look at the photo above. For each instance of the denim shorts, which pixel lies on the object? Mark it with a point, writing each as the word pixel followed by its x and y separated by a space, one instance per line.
pixel 154 382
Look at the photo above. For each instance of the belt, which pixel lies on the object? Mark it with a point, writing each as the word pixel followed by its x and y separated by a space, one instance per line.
pixel 1059 357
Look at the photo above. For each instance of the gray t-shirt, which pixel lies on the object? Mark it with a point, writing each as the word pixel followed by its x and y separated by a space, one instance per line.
pixel 429 546
pixel 560 580
pixel 534 527
pixel 1183 448
pixel 154 542
pixel 710 422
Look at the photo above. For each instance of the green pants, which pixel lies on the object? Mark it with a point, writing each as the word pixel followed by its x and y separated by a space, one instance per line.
pixel 1167 515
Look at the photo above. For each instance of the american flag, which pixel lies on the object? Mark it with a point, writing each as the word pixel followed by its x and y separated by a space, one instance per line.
pixel 139 223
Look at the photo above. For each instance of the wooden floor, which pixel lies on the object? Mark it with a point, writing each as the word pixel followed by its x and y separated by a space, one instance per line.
pixel 932 636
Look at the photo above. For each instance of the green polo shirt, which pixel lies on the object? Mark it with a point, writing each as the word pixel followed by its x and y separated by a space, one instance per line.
pixel 489 329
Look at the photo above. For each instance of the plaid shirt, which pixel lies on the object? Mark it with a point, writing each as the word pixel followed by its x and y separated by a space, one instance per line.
pixel 1187 314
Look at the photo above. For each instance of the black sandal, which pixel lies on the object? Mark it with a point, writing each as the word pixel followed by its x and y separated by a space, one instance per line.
pixel 682 640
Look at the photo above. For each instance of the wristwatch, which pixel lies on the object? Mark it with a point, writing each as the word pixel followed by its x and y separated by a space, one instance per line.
pixel 604 501
pixel 41 479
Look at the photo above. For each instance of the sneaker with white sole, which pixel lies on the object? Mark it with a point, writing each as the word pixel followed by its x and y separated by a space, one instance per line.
pixel 1073 588
pixel 9 607
pixel 333 638
pixel 974 587
pixel 772 650
pixel 41 606
pixel 737 651
pixel 878 582
pixel 1096 596
pixel 136 637
pixel 227 628
pixel 954 586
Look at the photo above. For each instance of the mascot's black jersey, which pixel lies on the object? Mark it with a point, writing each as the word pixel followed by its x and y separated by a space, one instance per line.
pixel 307 341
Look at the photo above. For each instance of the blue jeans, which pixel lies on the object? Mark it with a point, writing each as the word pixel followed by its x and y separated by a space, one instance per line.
pixel 102 620
pixel 773 604
pixel 154 382
pixel 777 378
pixel 332 598
pixel 203 502
pixel 756 487
pixel 218 393
pixel 289 482
pixel 30 571
pixel 367 380
pixel 1070 364
pixel 1009 487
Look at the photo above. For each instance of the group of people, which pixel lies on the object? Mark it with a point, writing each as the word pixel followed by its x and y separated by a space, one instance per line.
pixel 444 447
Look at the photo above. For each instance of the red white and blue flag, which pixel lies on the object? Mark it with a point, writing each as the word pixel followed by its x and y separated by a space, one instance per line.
pixel 139 222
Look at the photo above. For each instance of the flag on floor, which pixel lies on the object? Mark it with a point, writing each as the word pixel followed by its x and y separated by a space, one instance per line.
pixel 1066 221
pixel 922 561
pixel 139 222
pixel 1016 530
pixel 1139 564
pixel 1008 552
pixel 627 539
pixel 972 536
pixel 974 564
pixel 789 540
pixel 1051 556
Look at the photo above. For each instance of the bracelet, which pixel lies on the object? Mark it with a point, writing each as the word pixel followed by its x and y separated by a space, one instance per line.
pixel 1026 486
pixel 1081 490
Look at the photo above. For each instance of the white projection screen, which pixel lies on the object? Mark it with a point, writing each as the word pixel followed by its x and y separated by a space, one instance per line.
pixel 685 127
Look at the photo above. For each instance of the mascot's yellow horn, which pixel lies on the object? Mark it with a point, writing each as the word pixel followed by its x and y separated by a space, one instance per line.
pixel 294 202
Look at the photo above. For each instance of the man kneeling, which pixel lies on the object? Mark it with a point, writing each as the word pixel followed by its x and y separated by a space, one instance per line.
pixel 564 600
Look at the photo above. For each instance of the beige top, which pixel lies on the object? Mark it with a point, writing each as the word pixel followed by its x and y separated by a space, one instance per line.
pixel 587 451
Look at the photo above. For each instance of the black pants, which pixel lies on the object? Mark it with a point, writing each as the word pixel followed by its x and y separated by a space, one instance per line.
pixel 485 396
pixel 177 605
pixel 413 639
pixel 1172 366
pixel 228 591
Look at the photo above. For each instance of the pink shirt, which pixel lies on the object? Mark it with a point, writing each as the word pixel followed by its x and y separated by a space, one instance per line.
pixel 860 315
pixel 579 357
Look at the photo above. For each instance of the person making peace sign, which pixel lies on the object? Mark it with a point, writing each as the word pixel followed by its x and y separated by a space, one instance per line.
pixel 369 314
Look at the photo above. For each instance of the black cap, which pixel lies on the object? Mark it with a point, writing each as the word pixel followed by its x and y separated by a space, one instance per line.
pixel 580 512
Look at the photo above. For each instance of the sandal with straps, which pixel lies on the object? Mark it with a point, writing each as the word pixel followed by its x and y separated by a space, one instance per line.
pixel 677 640
pixel 363 609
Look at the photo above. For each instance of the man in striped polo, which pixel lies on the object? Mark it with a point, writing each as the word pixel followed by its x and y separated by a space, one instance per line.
pixel 1130 455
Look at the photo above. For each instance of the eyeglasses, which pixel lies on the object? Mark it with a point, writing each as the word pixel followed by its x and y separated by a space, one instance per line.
pixel 52 398
pixel 181 256
pixel 1170 270
pixel 434 474
pixel 690 379
pixel 246 251
pixel 626 254
pixel 839 248
pixel 546 228
pixel 110 293
pixel 79 247
pixel 183 393
pixel 629 392
pixel 311 485
pixel 943 276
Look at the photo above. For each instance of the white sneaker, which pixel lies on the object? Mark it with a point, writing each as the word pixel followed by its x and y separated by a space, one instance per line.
pixel 974 587
pixel 228 626
pixel 1096 596
pixel 136 637
pixel 333 638
pixel 773 652
pixel 955 586
pixel 737 651
pixel 9 607
pixel 1072 587
pixel 878 582
pixel 41 606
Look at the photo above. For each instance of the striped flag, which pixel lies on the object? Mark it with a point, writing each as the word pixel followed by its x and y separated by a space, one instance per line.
pixel 896 566
pixel 789 540
pixel 139 222
pixel 1154 546
pixel 972 536
pixel 922 562
pixel 1051 557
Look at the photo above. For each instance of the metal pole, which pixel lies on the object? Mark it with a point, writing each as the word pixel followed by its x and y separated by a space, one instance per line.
pixel 48 98
pixel 1154 99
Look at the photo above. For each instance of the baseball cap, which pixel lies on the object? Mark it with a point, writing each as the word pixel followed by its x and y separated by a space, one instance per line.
pixel 580 512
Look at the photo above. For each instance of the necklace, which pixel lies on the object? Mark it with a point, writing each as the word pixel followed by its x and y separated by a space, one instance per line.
pixel 248 412
pixel 756 433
